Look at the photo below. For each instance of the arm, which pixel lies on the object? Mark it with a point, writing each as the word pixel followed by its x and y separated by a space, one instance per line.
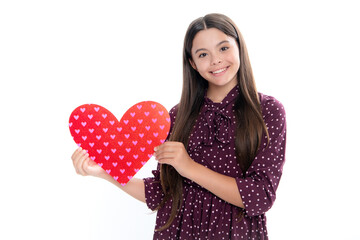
pixel 258 188
pixel 85 166
pixel 135 187
pixel 225 187
pixel 255 192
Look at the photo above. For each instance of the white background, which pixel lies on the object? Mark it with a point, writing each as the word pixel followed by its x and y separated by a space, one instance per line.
pixel 57 55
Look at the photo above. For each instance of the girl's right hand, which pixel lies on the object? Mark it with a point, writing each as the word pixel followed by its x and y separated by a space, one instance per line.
pixel 85 166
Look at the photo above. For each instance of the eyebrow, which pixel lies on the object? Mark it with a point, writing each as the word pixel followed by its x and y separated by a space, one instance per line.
pixel 202 49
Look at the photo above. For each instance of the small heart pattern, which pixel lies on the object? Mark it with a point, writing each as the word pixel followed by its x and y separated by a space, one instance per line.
pixel 122 147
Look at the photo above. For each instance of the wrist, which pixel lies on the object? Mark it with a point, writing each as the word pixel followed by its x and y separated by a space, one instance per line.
pixel 106 176
pixel 190 169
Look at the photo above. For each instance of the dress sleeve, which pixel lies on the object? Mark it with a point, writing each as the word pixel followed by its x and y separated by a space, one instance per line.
pixel 153 189
pixel 258 188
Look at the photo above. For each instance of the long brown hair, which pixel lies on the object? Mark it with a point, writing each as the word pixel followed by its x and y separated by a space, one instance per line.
pixel 250 124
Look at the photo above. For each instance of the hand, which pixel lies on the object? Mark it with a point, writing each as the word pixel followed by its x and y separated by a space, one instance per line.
pixel 85 166
pixel 174 154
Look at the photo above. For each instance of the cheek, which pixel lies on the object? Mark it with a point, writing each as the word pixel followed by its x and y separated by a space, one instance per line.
pixel 235 56
pixel 236 59
pixel 238 62
pixel 202 67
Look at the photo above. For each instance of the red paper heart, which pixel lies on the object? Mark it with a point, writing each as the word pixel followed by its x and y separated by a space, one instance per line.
pixel 120 148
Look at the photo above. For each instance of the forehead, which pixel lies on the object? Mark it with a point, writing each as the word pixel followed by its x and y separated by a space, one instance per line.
pixel 209 38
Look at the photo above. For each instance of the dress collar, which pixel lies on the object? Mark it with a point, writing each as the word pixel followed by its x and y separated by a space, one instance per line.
pixel 229 98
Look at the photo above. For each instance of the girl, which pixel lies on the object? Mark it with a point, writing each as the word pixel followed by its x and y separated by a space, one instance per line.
pixel 220 168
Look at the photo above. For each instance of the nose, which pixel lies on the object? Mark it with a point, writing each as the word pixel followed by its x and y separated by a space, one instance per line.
pixel 216 60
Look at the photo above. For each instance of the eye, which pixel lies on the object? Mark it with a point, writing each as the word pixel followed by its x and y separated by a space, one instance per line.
pixel 224 49
pixel 202 55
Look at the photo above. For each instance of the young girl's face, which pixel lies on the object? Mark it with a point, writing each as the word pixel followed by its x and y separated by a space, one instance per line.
pixel 215 56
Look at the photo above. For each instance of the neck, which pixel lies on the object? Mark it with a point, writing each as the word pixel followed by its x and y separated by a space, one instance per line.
pixel 218 93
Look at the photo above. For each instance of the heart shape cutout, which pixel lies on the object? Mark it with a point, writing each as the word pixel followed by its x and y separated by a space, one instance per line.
pixel 122 147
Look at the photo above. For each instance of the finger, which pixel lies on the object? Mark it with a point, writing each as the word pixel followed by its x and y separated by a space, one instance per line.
pixel 83 155
pixel 76 152
pixel 164 149
pixel 165 158
pixel 163 155
pixel 86 165
pixel 77 161
pixel 165 144
pixel 82 168
pixel 163 161
pixel 92 168
pixel 76 156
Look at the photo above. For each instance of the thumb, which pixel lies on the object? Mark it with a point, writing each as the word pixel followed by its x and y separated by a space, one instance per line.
pixel 92 168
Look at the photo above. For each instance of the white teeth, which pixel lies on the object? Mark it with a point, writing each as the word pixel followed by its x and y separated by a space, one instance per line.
pixel 220 70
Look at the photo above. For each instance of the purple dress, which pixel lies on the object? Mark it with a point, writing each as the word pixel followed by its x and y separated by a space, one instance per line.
pixel 204 215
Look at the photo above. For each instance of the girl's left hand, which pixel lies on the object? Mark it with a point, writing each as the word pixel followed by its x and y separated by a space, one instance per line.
pixel 174 154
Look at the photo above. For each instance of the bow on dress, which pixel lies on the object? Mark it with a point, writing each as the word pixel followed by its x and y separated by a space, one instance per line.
pixel 217 124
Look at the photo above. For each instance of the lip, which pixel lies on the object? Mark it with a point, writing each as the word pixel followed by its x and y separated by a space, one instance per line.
pixel 222 71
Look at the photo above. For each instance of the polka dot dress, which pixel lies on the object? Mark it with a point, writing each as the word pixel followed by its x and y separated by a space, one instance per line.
pixel 204 215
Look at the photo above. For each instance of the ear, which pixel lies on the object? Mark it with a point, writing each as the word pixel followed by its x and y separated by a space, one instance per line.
pixel 192 64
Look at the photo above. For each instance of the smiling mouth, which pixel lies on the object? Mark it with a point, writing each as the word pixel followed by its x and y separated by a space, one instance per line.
pixel 220 70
